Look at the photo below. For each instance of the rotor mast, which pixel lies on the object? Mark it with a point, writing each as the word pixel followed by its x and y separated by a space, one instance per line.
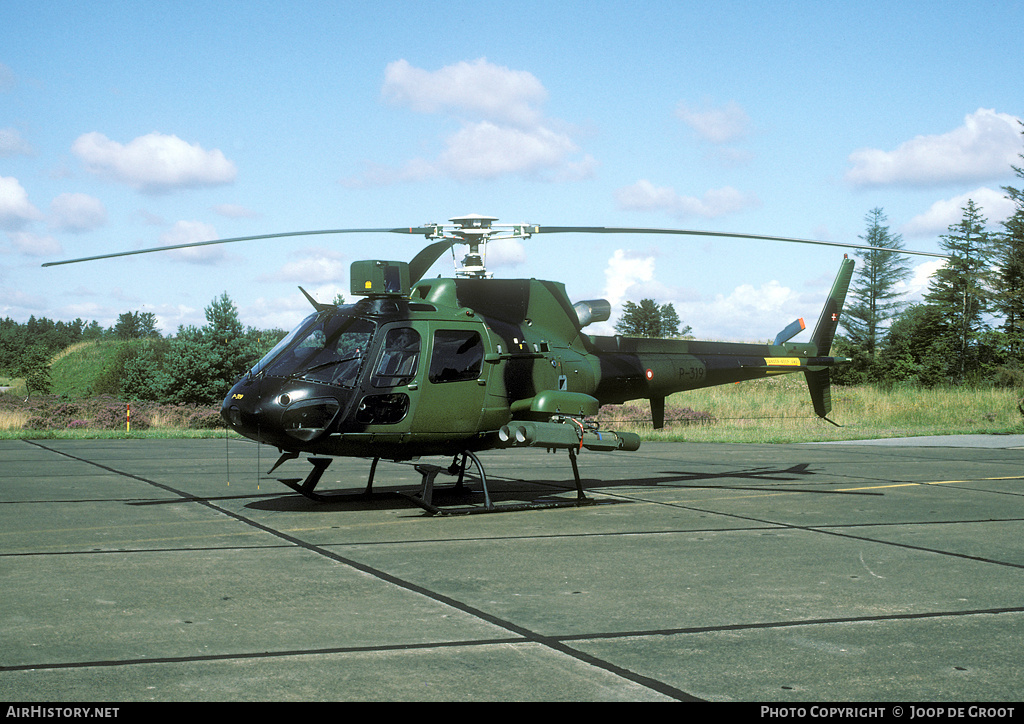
pixel 474 231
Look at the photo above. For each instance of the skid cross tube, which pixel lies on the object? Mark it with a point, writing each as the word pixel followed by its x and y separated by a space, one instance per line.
pixel 307 487
pixel 429 473
pixel 424 498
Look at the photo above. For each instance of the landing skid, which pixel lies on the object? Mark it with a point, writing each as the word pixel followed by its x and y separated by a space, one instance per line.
pixel 425 497
pixel 308 486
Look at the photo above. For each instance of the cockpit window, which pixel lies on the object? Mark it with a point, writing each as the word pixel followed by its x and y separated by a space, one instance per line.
pixel 325 348
pixel 298 332
pixel 458 355
pixel 399 358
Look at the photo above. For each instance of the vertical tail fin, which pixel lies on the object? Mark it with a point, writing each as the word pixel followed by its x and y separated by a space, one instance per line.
pixel 818 380
pixel 825 331
pixel 658 412
pixel 820 385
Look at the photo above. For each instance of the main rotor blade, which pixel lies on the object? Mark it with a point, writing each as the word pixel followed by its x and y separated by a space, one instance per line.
pixel 693 232
pixel 409 230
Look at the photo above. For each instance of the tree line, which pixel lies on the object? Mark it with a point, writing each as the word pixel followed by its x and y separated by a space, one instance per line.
pixel 969 328
pixel 44 337
pixel 199 363
pixel 194 366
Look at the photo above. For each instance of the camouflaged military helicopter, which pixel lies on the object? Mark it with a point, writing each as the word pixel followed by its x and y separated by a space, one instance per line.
pixel 454 366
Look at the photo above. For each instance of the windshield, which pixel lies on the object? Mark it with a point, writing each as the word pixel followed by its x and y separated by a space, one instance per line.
pixel 289 338
pixel 324 348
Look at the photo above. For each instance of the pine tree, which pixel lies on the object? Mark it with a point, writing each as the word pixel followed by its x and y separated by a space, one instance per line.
pixel 960 289
pixel 202 364
pixel 648 319
pixel 1009 292
pixel 147 325
pixel 915 348
pixel 873 295
pixel 35 368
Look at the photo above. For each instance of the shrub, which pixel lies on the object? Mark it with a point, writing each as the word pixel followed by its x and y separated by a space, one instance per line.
pixel 1009 376
pixel 104 412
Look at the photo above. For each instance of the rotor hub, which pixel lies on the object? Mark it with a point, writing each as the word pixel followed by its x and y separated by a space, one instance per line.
pixel 474 231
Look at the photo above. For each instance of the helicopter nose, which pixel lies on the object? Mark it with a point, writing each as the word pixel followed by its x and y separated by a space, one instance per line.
pixel 231 413
pixel 235 408
pixel 242 408
pixel 288 415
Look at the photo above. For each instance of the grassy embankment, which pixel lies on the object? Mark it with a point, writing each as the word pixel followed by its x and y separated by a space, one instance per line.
pixel 84 403
pixel 762 411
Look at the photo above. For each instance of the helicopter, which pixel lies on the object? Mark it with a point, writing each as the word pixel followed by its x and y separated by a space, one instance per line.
pixel 454 366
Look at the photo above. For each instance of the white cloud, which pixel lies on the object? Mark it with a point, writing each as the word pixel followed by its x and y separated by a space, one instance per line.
pixel 626 277
pixel 916 285
pixel 34 244
pixel 748 313
pixel 18 303
pixel 287 311
pixel 235 211
pixel 984 147
pixel 15 208
pixel 313 266
pixel 625 269
pixel 155 162
pixel 716 125
pixel 645 196
pixel 77 212
pixel 169 317
pixel 994 205
pixel 769 297
pixel 189 232
pixel 502 131
pixel 481 88
pixel 12 144
pixel 581 170
pixel 505 253
pixel 485 150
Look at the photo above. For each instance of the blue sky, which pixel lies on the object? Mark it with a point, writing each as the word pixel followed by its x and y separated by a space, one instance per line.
pixel 128 125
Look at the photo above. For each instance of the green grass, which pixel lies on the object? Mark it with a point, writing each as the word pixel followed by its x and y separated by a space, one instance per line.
pixel 74 371
pixel 776 410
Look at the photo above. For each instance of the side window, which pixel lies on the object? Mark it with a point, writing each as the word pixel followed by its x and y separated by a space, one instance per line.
pixel 399 358
pixel 458 355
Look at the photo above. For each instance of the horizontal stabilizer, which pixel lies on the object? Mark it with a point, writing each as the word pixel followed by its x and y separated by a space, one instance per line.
pixel 791 331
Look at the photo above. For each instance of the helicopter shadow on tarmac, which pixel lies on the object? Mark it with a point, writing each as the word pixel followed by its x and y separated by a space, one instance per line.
pixel 510 493
pixel 447 498
pixel 770 476
pixel 441 491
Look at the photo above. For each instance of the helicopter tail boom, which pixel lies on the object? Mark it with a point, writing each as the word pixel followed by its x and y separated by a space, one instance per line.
pixel 633 368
